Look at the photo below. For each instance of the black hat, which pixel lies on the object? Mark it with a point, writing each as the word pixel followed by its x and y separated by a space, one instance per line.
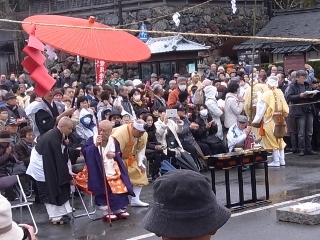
pixel 184 206
pixel 183 95
pixel 179 107
pixel 114 112
pixel 9 95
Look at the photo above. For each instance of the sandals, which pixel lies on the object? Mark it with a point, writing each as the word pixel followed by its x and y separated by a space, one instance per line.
pixel 111 216
pixel 116 216
pixel 63 220
pixel 122 215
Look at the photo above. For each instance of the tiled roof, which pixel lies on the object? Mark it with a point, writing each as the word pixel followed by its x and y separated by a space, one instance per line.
pixel 173 43
pixel 300 23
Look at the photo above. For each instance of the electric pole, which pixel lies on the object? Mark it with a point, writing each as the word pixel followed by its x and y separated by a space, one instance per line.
pixel 124 65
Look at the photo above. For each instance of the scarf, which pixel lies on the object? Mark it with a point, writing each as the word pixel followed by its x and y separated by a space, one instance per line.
pixel 139 103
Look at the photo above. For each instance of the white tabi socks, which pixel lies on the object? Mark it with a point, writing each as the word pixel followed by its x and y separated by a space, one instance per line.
pixel 281 157
pixel 275 162
pixel 135 201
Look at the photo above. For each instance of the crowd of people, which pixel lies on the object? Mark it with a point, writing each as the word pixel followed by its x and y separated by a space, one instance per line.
pixel 129 123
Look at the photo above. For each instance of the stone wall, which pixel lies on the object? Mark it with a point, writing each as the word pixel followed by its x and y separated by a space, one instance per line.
pixel 204 19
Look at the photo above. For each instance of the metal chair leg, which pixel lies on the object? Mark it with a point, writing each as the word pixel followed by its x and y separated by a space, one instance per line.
pixel 87 213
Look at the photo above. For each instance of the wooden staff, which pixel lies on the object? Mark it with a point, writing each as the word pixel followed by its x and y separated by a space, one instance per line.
pixel 105 181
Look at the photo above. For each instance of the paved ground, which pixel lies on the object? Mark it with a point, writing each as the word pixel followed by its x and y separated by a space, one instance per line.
pixel 300 178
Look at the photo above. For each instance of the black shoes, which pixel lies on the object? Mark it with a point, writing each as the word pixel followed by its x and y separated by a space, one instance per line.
pixel 309 152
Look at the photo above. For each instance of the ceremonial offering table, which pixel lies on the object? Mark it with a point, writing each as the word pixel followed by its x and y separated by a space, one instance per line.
pixel 238 160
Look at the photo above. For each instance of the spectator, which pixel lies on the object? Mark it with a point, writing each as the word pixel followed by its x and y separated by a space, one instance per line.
pixel 3 102
pixel 89 93
pixel 25 144
pixel 185 203
pixel 154 149
pixel 16 112
pixel 238 133
pixel 3 117
pixel 12 230
pixel 165 86
pixel 174 95
pixel 67 80
pixel 7 155
pixel 233 105
pixel 303 114
pixel 158 99
pixel 195 77
pixel 124 103
pixel 115 118
pixel 12 128
pixel 86 127
pixel 97 91
pixel 82 103
pixel 136 101
pixel 207 131
pixel 57 95
pixel 12 81
pixel 55 75
pixel 185 136
pixel 104 104
pixel 115 80
pixel 172 86
pixel 215 111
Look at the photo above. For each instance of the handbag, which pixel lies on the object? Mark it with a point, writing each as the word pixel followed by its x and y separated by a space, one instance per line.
pixel 212 139
pixel 17 168
pixel 280 127
pixel 249 142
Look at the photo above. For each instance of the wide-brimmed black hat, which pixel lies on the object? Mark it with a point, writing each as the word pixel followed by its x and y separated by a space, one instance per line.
pixel 184 206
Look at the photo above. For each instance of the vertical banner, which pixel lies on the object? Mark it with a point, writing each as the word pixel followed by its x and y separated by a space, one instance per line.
pixel 101 67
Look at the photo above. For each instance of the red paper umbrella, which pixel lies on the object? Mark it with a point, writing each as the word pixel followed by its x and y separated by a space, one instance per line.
pixel 88 42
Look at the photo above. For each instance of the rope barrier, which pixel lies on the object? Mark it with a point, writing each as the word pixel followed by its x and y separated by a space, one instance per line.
pixel 273 39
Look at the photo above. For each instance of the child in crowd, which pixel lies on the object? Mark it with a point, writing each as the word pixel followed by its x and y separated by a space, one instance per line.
pixel 3 117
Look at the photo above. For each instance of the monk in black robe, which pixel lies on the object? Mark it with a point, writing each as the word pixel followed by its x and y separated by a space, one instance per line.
pixel 54 178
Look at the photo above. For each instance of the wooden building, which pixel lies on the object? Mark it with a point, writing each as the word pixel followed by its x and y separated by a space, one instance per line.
pixel 301 23
pixel 170 55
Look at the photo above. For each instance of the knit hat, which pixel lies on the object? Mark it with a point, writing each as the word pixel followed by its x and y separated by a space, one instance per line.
pixel 183 95
pixel 9 230
pixel 184 206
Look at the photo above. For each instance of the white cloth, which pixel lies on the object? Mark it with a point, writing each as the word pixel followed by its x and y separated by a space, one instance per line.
pixel 162 130
pixel 35 168
pixel 261 109
pixel 109 162
pixel 215 113
pixel 56 212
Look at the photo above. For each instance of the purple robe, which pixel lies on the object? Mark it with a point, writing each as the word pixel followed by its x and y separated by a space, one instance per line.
pixel 95 177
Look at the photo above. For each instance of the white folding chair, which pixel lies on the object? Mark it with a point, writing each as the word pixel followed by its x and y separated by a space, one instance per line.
pixel 14 181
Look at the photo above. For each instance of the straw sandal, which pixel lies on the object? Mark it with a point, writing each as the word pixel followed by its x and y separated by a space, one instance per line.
pixel 61 221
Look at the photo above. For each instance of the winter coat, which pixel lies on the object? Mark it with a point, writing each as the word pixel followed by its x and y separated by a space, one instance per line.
pixel 233 109
pixel 212 105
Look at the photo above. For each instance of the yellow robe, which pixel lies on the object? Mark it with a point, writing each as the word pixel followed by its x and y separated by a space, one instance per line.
pixel 269 140
pixel 125 139
pixel 258 88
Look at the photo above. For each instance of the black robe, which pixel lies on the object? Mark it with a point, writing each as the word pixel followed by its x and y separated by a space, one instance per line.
pixel 44 120
pixel 55 166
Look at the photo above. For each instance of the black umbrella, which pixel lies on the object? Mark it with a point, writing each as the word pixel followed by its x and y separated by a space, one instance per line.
pixel 186 161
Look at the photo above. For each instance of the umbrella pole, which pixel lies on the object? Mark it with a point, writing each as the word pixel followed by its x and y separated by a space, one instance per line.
pixel 105 181
pixel 78 80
